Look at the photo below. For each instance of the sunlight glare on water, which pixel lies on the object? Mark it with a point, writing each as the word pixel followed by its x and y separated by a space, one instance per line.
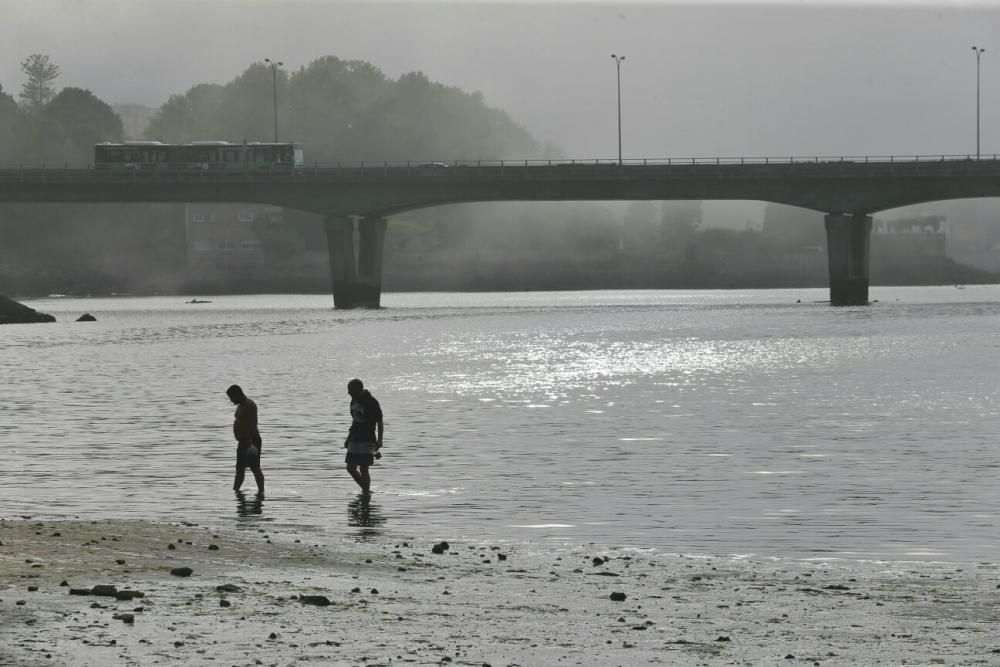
pixel 716 422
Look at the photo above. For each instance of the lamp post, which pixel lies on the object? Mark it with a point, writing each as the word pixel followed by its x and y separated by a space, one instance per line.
pixel 274 77
pixel 979 52
pixel 618 66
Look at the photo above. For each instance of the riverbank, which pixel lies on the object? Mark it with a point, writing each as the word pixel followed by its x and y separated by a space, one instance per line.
pixel 12 312
pixel 261 593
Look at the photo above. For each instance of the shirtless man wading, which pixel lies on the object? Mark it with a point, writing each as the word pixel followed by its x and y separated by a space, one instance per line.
pixel 248 442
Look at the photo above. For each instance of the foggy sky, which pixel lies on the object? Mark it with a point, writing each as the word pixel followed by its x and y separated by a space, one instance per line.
pixel 803 78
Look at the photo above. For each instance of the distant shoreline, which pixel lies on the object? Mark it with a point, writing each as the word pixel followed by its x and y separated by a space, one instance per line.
pixel 411 288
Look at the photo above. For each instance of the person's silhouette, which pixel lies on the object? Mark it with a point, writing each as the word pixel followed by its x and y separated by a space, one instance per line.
pixel 248 441
pixel 364 440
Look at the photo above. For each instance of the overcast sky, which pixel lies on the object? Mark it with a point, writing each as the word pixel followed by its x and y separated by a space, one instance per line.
pixel 743 78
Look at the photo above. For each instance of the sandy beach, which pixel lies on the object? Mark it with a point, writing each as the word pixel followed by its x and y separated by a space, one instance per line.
pixel 273 596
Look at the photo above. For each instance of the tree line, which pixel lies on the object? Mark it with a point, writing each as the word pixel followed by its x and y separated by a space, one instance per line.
pixel 50 126
pixel 339 111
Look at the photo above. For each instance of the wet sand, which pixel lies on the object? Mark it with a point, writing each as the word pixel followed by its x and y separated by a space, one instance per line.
pixel 396 602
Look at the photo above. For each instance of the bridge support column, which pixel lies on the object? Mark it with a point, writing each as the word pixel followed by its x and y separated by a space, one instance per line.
pixel 355 275
pixel 848 256
pixel 371 232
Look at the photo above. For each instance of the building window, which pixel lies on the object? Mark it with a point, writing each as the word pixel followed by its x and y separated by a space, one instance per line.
pixel 197 217
pixel 246 215
pixel 250 245
pixel 203 246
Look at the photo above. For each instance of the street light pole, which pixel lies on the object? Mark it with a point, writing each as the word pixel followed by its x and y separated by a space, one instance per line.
pixel 274 77
pixel 618 66
pixel 979 52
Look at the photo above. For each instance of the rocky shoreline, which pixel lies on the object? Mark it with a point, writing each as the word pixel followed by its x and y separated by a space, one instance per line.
pixel 139 593
pixel 12 312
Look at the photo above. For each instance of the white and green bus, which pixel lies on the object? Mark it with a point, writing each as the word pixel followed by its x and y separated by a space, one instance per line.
pixel 207 155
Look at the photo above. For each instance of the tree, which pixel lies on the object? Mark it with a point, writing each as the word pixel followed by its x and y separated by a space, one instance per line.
pixel 37 90
pixel 192 116
pixel 82 120
pixel 346 110
pixel 10 125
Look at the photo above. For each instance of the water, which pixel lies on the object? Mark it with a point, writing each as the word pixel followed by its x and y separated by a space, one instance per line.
pixel 728 422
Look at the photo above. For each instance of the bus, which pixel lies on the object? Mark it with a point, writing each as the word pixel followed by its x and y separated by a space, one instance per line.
pixel 206 155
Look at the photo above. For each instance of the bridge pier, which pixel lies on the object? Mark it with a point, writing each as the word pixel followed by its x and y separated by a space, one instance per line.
pixel 355 271
pixel 848 257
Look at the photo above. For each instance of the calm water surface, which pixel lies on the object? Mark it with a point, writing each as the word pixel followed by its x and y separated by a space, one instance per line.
pixel 713 422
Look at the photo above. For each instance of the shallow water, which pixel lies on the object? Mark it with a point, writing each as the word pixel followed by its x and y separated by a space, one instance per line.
pixel 723 422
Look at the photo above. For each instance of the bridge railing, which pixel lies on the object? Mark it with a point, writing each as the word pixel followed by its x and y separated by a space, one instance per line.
pixel 443 167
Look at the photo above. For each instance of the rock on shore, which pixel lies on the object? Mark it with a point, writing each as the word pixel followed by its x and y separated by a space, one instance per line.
pixel 12 312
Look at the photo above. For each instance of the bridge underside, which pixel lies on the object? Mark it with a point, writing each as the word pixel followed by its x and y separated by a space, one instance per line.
pixel 847 191
pixel 356 247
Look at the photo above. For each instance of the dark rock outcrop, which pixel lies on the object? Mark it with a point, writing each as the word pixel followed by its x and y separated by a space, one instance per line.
pixel 317 600
pixel 12 312
pixel 86 317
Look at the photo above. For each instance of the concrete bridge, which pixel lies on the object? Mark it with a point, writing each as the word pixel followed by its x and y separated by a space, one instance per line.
pixel 356 199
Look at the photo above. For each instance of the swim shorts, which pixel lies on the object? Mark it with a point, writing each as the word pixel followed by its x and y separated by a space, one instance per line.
pixel 359 459
pixel 247 454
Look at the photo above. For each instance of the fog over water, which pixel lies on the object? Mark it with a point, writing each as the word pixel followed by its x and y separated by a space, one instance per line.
pixel 708 422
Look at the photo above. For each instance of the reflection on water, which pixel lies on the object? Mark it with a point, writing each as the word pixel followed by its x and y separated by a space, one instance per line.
pixel 716 422
pixel 249 507
pixel 362 513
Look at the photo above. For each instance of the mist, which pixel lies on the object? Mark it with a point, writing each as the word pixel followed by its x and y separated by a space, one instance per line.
pixel 721 79
pixel 699 79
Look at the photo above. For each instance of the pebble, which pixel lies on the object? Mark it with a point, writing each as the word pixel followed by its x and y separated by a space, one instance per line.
pixel 182 572
pixel 129 595
pixel 318 600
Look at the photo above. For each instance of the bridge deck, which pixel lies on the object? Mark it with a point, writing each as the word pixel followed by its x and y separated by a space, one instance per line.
pixel 699 168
